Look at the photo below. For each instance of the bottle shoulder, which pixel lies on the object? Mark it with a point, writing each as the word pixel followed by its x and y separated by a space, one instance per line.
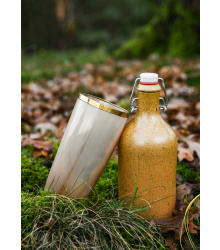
pixel 150 130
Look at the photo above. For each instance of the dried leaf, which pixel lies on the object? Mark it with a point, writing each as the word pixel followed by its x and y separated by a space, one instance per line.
pixel 194 147
pixel 171 223
pixel 181 192
pixel 188 245
pixel 185 153
pixel 177 104
pixel 196 213
pixel 40 152
pixel 60 131
pixel 44 145
pixel 169 241
pixel 192 226
pixel 56 119
pixel 49 222
pixel 47 126
pixel 179 179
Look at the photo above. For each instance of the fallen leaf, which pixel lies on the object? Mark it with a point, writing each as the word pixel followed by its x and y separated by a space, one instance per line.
pixel 60 131
pixel 47 126
pixel 188 246
pixel 177 104
pixel 172 71
pixel 49 222
pixel 192 226
pixel 172 224
pixel 56 119
pixel 179 179
pixel 40 152
pixel 196 213
pixel 181 192
pixel 35 88
pixel 185 153
pixel 169 241
pixel 46 146
pixel 194 147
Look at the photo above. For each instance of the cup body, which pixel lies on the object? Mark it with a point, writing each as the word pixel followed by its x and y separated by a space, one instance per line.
pixel 91 135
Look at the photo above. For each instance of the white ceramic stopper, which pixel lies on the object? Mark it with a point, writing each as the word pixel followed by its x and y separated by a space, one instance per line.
pixel 149 77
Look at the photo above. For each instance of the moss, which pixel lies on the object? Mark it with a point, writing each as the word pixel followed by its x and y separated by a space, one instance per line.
pixel 33 171
pixel 107 185
pixel 188 173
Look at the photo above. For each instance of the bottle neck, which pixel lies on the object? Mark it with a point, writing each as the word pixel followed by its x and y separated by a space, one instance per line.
pixel 148 103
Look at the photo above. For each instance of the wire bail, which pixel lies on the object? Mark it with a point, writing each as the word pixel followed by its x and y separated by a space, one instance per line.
pixel 164 100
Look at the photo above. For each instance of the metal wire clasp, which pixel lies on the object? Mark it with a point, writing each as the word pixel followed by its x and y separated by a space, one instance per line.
pixel 164 100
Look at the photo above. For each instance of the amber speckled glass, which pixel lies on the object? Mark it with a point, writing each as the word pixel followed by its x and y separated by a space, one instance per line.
pixel 148 154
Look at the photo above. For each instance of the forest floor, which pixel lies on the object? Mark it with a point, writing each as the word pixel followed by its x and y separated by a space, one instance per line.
pixel 51 83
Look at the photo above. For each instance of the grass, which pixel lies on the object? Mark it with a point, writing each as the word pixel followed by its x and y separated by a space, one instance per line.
pixel 44 64
pixel 186 221
pixel 57 222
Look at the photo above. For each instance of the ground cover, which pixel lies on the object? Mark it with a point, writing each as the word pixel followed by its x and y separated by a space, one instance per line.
pixel 47 102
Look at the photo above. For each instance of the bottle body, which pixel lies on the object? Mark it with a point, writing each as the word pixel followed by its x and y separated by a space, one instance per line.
pixel 147 158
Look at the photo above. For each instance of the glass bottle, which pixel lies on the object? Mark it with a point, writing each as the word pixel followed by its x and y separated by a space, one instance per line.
pixel 148 153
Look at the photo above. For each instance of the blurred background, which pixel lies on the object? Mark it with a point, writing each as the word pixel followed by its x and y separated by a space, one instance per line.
pixel 126 28
pixel 55 30
pixel 101 47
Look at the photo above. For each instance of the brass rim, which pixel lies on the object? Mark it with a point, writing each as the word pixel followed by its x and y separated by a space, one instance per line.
pixel 85 98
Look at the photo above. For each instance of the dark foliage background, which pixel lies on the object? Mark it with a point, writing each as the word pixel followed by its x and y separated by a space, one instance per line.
pixel 125 28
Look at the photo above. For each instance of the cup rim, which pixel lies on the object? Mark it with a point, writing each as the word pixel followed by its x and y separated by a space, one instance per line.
pixel 108 106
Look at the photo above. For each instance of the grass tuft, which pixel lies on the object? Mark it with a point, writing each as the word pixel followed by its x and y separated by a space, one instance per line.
pixel 186 222
pixel 57 222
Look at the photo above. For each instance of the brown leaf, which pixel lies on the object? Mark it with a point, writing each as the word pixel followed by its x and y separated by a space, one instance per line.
pixel 172 71
pixel 45 145
pixel 188 245
pixel 40 152
pixel 37 112
pixel 194 147
pixel 177 104
pixel 35 88
pixel 178 233
pixel 49 222
pixel 56 119
pixel 185 153
pixel 181 192
pixel 37 144
pixel 196 213
pixel 179 179
pixel 60 131
pixel 191 226
pixel 165 230
pixel 171 223
pixel 43 127
pixel 169 241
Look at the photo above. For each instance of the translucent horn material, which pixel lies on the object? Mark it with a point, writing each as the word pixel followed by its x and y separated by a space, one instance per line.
pixel 91 135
